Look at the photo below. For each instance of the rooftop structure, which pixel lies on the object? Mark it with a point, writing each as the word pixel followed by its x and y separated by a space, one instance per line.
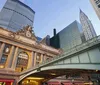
pixel 87 27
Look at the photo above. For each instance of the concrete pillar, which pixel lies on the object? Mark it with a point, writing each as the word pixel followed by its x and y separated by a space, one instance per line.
pixel 31 60
pixel 35 54
pixel 1 50
pixel 10 58
pixel 15 58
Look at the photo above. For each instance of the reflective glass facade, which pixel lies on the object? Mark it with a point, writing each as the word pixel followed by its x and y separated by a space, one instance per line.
pixel 67 38
pixel 15 15
pixel 70 36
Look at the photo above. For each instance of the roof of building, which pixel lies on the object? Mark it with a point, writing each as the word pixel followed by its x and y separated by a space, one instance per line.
pixel 68 26
pixel 18 1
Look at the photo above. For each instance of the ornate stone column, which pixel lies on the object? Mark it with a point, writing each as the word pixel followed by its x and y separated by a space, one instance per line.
pixel 35 54
pixel 10 58
pixel 42 57
pixel 31 60
pixel 15 58
pixel 1 50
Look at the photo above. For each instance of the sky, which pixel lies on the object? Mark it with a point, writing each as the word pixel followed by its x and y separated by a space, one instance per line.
pixel 50 14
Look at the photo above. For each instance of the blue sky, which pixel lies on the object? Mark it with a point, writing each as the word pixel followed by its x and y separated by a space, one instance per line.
pixel 58 14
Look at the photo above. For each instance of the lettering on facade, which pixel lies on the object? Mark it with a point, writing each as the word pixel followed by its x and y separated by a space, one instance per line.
pixel 23 55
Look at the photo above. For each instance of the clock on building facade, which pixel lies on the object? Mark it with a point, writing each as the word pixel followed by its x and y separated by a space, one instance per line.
pixel 28 34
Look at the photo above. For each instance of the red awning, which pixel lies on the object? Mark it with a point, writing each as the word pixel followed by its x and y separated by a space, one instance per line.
pixel 6 80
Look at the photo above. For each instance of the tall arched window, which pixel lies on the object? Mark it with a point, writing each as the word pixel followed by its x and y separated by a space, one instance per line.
pixel 38 59
pixel 5 54
pixel 22 61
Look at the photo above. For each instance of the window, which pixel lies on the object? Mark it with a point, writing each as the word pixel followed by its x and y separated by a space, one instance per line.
pixel 0 44
pixel 99 5
pixel 97 2
pixel 38 58
pixel 49 58
pixel 4 57
pixel 22 61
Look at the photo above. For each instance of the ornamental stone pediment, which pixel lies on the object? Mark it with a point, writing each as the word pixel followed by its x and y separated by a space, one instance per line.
pixel 27 32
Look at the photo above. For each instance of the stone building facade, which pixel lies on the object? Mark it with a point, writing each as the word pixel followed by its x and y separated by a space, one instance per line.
pixel 96 6
pixel 20 51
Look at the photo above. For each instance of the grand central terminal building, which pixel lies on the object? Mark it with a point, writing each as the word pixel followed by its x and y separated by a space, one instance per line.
pixel 20 51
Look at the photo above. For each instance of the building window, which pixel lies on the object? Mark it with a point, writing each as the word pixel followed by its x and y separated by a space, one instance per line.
pixel 38 58
pixel 5 54
pixel 99 5
pixel 97 2
pixel 3 59
pixel 22 61
pixel 0 44
pixel 49 58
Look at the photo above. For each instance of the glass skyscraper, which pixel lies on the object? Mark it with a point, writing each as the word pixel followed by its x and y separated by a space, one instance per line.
pixel 87 27
pixel 68 38
pixel 15 14
pixel 96 6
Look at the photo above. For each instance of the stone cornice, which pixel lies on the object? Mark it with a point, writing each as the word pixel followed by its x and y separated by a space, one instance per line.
pixel 26 46
pixel 7 71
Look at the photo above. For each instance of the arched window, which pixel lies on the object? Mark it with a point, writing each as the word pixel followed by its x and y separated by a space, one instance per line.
pixel 22 61
pixel 5 54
